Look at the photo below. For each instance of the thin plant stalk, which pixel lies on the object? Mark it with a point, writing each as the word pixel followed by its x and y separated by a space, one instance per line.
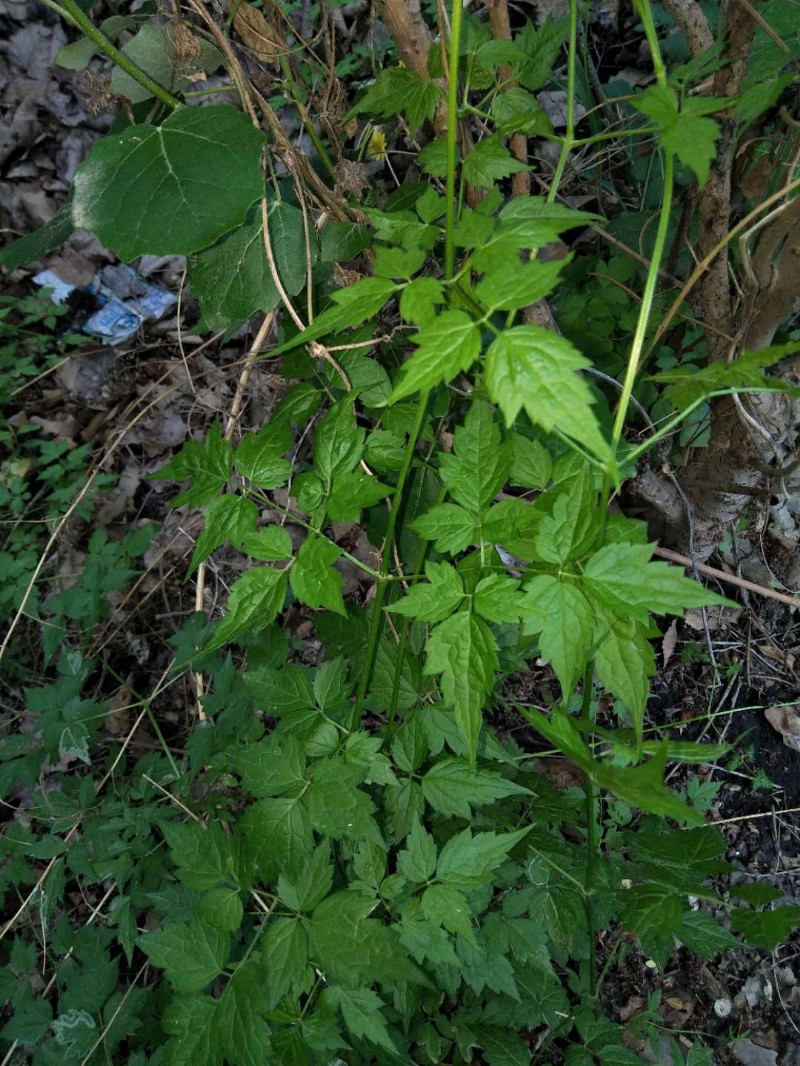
pixel 419 418
pixel 568 141
pixel 70 10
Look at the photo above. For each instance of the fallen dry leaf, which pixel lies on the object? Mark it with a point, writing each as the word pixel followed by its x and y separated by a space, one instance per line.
pixel 786 721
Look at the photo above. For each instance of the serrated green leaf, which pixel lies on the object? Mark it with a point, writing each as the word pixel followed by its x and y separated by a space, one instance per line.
pixel 682 132
pixel 259 456
pixel 396 262
pixel 190 1020
pixel 519 284
pixel 468 861
pixel 623 662
pixel 174 189
pixel 369 380
pixel 562 616
pixel 433 158
pixel 479 465
pixel 532 466
pixel 463 651
pixel 271 767
pixel 417 861
pixel 277 833
pixel 226 518
pixel 204 855
pixel 443 905
pixel 366 751
pixel 419 300
pixel 191 953
pixel 337 806
pixel 483 965
pixel 759 894
pixel 353 491
pixel 311 883
pixel 434 600
pixel 540 49
pixel 573 524
pixel 642 786
pixel 270 544
pixel 345 945
pixel 745 372
pixel 766 929
pixel 449 526
pixel 704 936
pixel 488 162
pixel 651 911
pixel 452 788
pixel 153 50
pixel 532 369
pixel 504 1048
pixel 338 442
pixel 313 578
pixel 497 599
pixel 255 600
pixel 446 347
pixel 622 577
pixel 239 1027
pixel 284 953
pixel 296 408
pixel 399 91
pixel 221 908
pixel 356 304
pixel 361 1010
pixel 518 111
pixel 206 464
pixel 280 691
pixel 404 806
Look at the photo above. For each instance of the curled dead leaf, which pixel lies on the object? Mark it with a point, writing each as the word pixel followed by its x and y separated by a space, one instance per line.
pixel 786 721
pixel 187 47
pixel 256 32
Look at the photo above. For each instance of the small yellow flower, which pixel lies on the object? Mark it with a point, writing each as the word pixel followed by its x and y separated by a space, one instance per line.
pixel 376 146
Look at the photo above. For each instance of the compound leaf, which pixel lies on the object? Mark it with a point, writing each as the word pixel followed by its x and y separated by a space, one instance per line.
pixel 434 600
pixel 255 600
pixel 463 651
pixel 532 369
pixel 313 578
pixel 447 346
pixel 190 953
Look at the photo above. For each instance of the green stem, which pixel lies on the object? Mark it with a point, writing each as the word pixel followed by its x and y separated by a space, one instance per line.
pixel 591 836
pixel 386 556
pixel 452 132
pixel 568 142
pixel 635 357
pixel 647 302
pixel 88 28
pixel 645 13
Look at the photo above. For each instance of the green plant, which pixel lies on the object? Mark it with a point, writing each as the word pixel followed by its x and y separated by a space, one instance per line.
pixel 348 860
pixel 38 477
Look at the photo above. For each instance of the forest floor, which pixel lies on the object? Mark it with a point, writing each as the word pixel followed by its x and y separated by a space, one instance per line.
pixel 136 402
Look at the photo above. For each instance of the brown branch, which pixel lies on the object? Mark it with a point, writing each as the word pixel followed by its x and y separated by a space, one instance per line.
pixel 403 19
pixel 730 579
pixel 518 142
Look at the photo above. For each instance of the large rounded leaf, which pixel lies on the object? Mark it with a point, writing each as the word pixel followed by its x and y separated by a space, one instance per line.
pixel 155 50
pixel 174 189
pixel 232 279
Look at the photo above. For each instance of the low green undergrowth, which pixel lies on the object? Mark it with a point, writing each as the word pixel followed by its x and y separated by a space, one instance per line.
pixel 355 852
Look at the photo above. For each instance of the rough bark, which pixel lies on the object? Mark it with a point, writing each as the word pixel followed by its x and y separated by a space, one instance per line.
pixel 501 31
